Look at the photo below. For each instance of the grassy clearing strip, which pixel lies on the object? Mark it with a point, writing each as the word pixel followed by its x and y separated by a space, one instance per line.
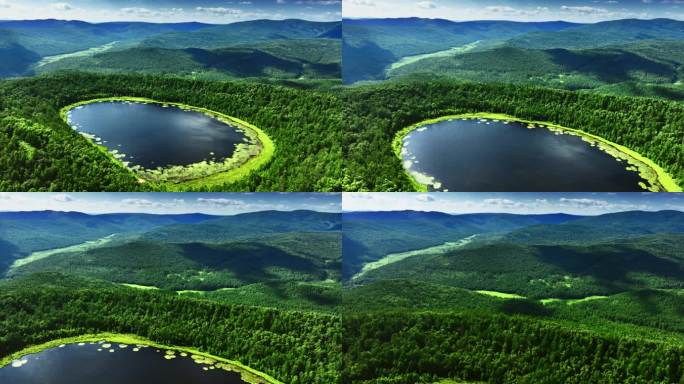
pixel 501 295
pixel 588 298
pixel 141 287
pixel 395 257
pixel 444 53
pixel 244 161
pixel 84 53
pixel 248 374
pixel 35 256
pixel 648 170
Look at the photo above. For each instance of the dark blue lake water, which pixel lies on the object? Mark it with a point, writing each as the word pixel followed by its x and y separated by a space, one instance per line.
pixel 474 155
pixel 151 135
pixel 111 364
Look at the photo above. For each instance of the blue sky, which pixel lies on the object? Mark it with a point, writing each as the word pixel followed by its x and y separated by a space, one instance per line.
pixel 521 203
pixel 209 11
pixel 518 10
pixel 165 203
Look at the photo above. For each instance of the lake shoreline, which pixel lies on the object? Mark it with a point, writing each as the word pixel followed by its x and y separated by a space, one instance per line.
pixel 245 159
pixel 248 374
pixel 647 169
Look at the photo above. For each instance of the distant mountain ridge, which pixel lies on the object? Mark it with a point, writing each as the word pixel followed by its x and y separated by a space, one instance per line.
pixel 369 236
pixel 232 50
pixel 630 56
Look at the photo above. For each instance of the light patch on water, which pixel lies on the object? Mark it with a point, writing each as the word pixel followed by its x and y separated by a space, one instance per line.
pixel 19 363
pixel 106 345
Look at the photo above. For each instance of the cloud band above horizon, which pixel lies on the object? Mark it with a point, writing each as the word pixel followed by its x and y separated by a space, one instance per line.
pixel 516 10
pixel 171 11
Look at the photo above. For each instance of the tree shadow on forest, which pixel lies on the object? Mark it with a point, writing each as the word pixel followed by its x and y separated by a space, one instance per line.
pixel 610 265
pixel 8 253
pixel 610 66
pixel 243 62
pixel 249 262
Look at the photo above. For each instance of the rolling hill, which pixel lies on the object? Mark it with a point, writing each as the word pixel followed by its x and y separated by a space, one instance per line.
pixel 370 45
pixel 270 254
pixel 22 233
pixel 369 236
pixel 621 57
pixel 53 37
pixel 247 32
pixel 520 304
pixel 602 34
pixel 276 59
pixel 287 49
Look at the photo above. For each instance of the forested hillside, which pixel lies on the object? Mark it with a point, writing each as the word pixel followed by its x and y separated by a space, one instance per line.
pixel 620 57
pixel 259 49
pixel 40 152
pixel 560 299
pixel 295 347
pixel 374 114
pixel 370 45
pixel 280 59
pixel 262 288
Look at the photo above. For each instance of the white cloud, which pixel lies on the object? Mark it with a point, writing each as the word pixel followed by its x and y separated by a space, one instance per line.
pixel 584 202
pixel 220 11
pixel 5 4
pixel 584 10
pixel 425 198
pixel 362 3
pixel 62 198
pixel 139 12
pixel 61 6
pixel 319 2
pixel 221 202
pixel 427 4
pixel 510 11
pixel 143 203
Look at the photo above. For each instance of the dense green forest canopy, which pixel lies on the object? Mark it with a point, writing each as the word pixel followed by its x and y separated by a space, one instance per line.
pixel 298 50
pixel 621 57
pixel 374 114
pixel 529 299
pixel 262 288
pixel 400 347
pixel 292 346
pixel 269 258
pixel 40 152
pixel 370 45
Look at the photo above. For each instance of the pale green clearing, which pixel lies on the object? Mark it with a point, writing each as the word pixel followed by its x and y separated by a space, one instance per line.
pixel 588 298
pixel 445 53
pixel 85 53
pixel 196 292
pixel 504 295
pixel 395 257
pixel 142 287
pixel 247 158
pixel 501 295
pixel 182 292
pixel 247 374
pixel 660 180
pixel 73 248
